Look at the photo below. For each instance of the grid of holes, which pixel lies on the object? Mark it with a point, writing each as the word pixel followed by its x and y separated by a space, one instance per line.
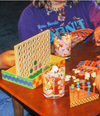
pixel 34 49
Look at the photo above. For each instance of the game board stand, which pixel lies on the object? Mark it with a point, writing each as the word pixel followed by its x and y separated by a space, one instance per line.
pixel 30 56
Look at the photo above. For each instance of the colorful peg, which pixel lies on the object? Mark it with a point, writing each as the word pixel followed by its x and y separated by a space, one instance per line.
pixel 73 90
pixel 94 84
pixel 78 89
pixel 78 86
pixel 77 80
pixel 89 86
pixel 72 87
pixel 88 83
pixel 77 83
pixel 83 81
pixel 83 86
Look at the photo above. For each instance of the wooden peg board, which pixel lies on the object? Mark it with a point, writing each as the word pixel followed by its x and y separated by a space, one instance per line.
pixel 74 101
pixel 32 54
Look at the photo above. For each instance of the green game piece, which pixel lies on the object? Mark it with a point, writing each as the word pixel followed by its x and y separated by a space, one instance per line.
pixel 83 81
pixel 36 74
pixel 35 62
pixel 39 71
pixel 72 87
pixel 31 76
pixel 89 86
pixel 31 70
pixel 51 65
pixel 45 68
pixel 78 83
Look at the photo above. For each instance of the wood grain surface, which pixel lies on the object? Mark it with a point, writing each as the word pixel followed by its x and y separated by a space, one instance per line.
pixel 35 99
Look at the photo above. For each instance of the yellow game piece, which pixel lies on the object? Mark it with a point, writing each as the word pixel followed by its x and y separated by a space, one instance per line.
pixel 59 14
pixel 77 80
pixel 94 84
pixel 78 89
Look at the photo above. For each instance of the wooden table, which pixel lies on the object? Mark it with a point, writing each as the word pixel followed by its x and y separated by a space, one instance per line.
pixel 35 99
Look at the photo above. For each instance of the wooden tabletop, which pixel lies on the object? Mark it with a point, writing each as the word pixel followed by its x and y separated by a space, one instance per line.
pixel 35 99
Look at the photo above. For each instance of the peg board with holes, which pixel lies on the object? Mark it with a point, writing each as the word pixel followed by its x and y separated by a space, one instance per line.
pixel 32 54
pixel 74 101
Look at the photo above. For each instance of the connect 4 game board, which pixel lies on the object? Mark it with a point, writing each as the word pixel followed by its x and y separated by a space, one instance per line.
pixel 32 54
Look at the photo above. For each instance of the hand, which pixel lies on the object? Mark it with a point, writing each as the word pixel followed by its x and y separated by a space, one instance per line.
pixel 7 59
pixel 76 40
pixel 97 36
pixel 97 80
